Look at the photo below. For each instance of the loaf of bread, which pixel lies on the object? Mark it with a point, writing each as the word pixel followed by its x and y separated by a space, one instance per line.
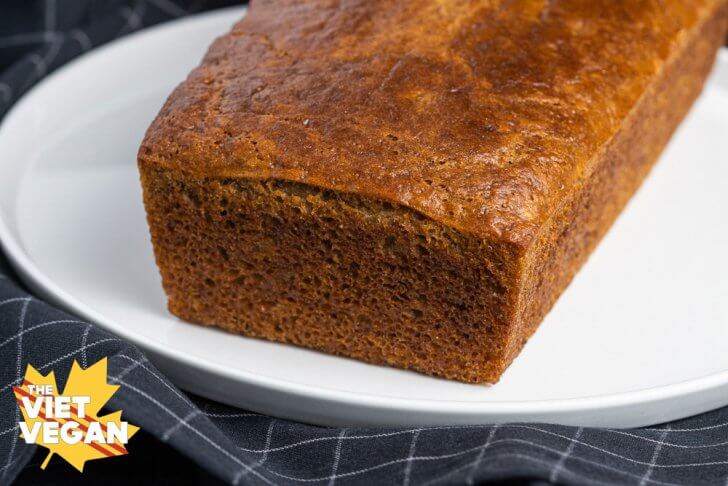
pixel 412 183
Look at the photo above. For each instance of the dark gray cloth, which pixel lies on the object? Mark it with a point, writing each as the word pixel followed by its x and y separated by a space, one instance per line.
pixel 247 448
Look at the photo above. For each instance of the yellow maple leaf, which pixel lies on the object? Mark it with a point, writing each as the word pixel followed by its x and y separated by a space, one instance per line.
pixel 93 437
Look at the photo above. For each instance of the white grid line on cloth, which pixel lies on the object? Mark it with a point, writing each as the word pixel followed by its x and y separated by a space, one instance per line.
pixel 655 455
pixel 168 7
pixel 133 18
pixel 29 38
pixel 43 63
pixel 408 464
pixel 333 437
pixel 390 463
pixel 562 460
pixel 84 338
pixel 19 376
pixel 53 51
pixel 644 463
pixel 7 431
pixel 38 326
pixel 46 37
pixel 242 473
pixel 134 364
pixel 268 437
pixel 6 467
pixel 605 451
pixel 50 15
pixel 615 431
pixel 697 429
pixel 178 425
pixel 15 299
pixel 409 431
pixel 578 477
pixel 233 415
pixel 337 456
pixel 671 444
pixel 140 364
pixel 82 38
pixel 193 429
pixel 68 355
pixel 73 353
pixel 21 324
pixel 481 454
pixel 40 66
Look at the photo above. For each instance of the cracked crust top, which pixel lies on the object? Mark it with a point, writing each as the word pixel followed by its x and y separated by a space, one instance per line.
pixel 482 115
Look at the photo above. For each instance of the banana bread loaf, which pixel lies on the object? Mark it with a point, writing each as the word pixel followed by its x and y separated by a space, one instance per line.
pixel 412 183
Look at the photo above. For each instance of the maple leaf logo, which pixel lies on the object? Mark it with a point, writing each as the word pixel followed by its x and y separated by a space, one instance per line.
pixel 68 424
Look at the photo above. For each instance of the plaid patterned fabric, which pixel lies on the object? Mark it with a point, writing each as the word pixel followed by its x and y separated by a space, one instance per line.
pixel 246 448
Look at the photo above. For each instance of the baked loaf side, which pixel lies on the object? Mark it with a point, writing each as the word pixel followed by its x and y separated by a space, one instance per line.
pixel 412 183
pixel 571 234
pixel 331 271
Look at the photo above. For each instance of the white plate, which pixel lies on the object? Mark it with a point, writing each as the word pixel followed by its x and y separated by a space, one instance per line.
pixel 640 337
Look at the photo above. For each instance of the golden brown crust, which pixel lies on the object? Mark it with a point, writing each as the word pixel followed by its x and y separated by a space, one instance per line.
pixel 481 115
pixel 513 130
pixel 566 240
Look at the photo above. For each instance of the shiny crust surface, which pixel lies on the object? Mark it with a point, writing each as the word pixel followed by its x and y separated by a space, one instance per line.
pixel 482 115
